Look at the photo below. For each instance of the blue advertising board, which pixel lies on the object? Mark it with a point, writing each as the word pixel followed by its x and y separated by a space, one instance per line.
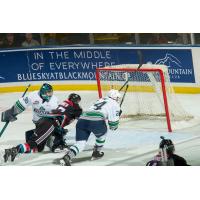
pixel 54 64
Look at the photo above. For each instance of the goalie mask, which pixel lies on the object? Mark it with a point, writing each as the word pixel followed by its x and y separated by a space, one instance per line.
pixel 114 94
pixel 75 98
pixel 46 92
pixel 168 144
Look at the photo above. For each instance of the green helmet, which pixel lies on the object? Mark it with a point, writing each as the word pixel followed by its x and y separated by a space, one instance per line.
pixel 46 88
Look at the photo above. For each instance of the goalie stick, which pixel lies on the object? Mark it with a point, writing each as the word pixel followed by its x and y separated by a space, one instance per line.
pixel 6 124
pixel 140 57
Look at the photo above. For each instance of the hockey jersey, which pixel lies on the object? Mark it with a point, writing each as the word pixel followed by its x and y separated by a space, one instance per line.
pixel 40 108
pixel 104 109
pixel 67 112
pixel 173 160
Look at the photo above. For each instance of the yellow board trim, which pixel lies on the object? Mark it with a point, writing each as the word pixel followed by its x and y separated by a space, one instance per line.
pixel 55 87
pixel 82 87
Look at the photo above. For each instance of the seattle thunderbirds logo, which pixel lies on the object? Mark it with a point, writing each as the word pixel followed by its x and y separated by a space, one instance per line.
pixel 169 60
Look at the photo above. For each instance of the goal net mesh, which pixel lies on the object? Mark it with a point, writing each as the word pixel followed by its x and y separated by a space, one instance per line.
pixel 144 97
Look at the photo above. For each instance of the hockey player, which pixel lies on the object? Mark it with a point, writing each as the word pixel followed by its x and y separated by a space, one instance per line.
pixel 52 124
pixel 166 155
pixel 94 120
pixel 66 113
pixel 42 102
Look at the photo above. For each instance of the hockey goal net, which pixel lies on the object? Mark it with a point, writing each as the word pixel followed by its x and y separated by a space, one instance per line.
pixel 149 94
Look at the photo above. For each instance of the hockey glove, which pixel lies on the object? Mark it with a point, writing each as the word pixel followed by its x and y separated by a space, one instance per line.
pixel 8 115
pixel 113 128
pixel 61 131
pixel 113 125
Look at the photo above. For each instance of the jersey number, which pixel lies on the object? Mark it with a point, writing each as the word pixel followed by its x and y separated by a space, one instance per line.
pixel 97 106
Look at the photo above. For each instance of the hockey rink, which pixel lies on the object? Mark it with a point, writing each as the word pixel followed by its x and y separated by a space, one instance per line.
pixel 132 144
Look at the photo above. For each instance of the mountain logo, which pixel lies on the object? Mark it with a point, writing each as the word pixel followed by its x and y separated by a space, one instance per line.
pixel 169 60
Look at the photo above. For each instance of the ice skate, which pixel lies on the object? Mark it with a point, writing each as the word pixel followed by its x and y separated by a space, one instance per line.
pixel 65 161
pixel 97 154
pixel 10 153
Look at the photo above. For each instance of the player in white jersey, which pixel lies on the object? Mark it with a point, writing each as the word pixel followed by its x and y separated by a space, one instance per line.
pixel 42 102
pixel 94 120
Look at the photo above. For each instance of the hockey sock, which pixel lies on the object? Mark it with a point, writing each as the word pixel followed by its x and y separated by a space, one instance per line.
pixel 99 143
pixel 77 148
pixel 25 148
pixel 73 151
pixel 34 150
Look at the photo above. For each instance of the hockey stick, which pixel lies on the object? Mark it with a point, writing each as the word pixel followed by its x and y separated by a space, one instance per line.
pixel 140 57
pixel 6 124
pixel 124 95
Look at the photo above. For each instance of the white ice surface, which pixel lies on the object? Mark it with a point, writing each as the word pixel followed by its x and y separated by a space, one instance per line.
pixel 131 144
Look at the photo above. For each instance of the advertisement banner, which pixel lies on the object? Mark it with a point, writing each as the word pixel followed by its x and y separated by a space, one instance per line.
pixel 54 64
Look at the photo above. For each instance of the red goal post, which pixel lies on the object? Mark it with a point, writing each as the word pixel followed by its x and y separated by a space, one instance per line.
pixel 133 70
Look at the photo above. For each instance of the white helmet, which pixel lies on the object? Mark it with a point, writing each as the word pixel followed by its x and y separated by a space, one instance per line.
pixel 114 94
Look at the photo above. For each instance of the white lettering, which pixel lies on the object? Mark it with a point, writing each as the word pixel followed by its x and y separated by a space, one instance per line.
pixel 59 55
pixel 37 66
pixel 92 54
pixel 19 77
pixel 56 76
pixel 38 55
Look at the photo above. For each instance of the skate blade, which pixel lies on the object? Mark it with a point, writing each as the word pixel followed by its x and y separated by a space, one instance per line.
pixel 62 162
pixel 93 158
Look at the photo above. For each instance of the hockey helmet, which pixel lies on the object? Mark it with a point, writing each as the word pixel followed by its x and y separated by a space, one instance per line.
pixel 168 144
pixel 75 98
pixel 153 163
pixel 114 94
pixel 46 92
